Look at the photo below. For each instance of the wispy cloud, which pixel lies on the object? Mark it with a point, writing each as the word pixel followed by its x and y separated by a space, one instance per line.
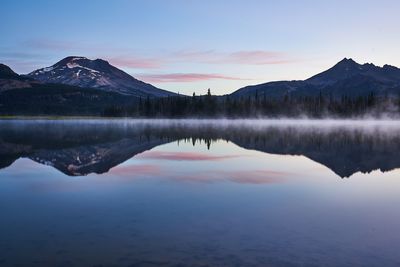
pixel 258 58
pixel 258 177
pixel 131 59
pixel 246 57
pixel 242 177
pixel 20 55
pixel 45 51
pixel 184 77
pixel 135 170
pixel 136 62
pixel 120 57
pixel 50 45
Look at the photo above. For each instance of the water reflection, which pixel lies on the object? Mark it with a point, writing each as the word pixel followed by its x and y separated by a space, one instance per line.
pixel 198 194
pixel 82 147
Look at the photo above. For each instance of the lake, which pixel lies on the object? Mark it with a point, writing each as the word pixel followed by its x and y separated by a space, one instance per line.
pixel 199 193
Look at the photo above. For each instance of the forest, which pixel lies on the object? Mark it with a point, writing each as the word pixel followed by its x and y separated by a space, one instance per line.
pixel 259 105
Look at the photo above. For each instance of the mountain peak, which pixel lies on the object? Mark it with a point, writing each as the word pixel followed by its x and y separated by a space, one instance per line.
pixel 347 67
pixel 83 62
pixel 101 60
pixel 83 72
pixel 347 62
pixel 389 67
pixel 70 59
pixel 73 58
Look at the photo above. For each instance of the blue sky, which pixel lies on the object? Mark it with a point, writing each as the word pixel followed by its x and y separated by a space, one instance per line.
pixel 189 46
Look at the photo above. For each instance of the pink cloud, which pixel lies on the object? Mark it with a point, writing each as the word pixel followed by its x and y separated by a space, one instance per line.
pixel 189 156
pixel 136 62
pixel 258 177
pixel 250 57
pixel 185 77
pixel 125 57
pixel 135 170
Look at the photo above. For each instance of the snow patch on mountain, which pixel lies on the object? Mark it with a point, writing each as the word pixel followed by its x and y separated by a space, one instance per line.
pixel 75 65
pixel 48 69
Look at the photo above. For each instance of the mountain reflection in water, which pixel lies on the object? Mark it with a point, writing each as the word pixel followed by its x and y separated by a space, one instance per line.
pixel 81 147
pixel 199 193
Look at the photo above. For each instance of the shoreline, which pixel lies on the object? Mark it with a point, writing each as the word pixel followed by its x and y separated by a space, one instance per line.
pixel 54 117
pixel 301 121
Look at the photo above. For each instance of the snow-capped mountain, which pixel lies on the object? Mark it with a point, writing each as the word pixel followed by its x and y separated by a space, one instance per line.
pixel 99 74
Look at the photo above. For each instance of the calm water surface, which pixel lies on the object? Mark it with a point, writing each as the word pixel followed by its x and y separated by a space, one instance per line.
pixel 206 193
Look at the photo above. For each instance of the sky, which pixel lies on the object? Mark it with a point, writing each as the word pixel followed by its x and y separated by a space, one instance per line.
pixel 189 46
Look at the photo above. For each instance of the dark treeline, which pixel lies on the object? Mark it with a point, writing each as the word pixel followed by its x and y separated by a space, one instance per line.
pixel 209 106
pixel 47 100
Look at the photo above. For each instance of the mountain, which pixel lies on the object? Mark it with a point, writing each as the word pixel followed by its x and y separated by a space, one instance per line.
pixel 80 86
pixel 11 80
pixel 22 95
pixel 272 89
pixel 7 73
pixel 347 77
pixel 79 161
pixel 98 74
pixel 348 69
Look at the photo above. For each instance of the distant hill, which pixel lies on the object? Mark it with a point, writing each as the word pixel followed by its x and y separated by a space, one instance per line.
pixel 346 78
pixel 7 73
pixel 97 74
pixel 11 80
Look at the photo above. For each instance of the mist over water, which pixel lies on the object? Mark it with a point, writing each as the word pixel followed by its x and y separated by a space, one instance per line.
pixel 199 192
pixel 360 140
pixel 383 124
